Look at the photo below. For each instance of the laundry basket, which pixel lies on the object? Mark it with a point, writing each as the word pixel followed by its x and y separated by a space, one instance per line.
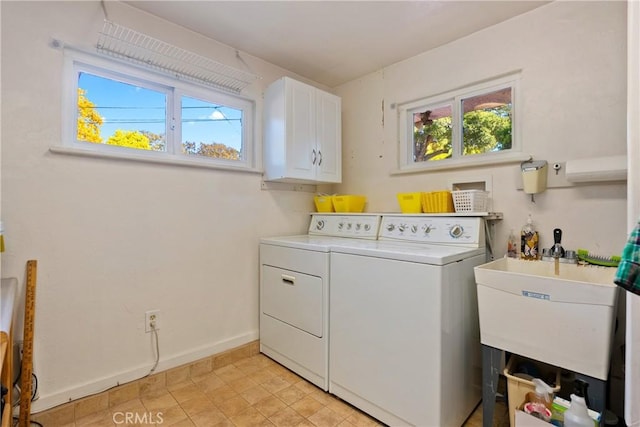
pixel 349 203
pixel 470 200
pixel 410 202
pixel 437 202
pixel 323 202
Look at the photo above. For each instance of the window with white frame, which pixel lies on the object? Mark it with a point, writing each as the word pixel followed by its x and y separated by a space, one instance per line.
pixel 471 125
pixel 115 108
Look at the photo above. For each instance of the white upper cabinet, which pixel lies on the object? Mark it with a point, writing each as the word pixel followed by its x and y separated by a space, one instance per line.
pixel 302 133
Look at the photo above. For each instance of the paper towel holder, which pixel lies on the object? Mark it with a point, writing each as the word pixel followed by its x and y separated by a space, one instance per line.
pixel 534 176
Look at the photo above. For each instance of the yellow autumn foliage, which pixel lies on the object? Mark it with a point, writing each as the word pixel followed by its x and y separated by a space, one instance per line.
pixel 89 121
pixel 131 139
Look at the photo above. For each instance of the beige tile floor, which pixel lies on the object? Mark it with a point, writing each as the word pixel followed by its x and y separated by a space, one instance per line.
pixel 254 391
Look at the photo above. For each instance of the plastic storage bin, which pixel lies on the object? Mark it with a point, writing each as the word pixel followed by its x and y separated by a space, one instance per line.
pixel 349 203
pixel 517 388
pixel 470 200
pixel 437 202
pixel 324 203
pixel 410 202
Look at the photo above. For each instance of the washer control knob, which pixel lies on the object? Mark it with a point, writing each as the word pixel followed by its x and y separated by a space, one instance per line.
pixel 456 231
pixel 427 229
pixel 414 229
pixel 390 227
pixel 319 225
pixel 402 227
pixel 340 225
pixel 349 225
pixel 358 226
pixel 367 227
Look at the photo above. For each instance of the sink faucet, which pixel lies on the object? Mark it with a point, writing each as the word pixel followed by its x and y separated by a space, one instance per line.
pixel 557 251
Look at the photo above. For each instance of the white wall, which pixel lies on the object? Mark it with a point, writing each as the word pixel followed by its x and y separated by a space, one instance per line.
pixel 114 238
pixel 573 60
pixel 632 373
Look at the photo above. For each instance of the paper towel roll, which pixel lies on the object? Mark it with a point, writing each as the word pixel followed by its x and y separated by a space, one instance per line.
pixel 611 168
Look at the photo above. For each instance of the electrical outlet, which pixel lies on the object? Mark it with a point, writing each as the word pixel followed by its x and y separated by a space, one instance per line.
pixel 151 320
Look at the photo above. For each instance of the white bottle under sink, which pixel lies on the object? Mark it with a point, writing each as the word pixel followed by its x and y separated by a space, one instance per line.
pixel 565 320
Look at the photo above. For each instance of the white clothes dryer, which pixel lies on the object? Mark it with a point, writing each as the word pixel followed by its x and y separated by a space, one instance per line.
pixel 294 291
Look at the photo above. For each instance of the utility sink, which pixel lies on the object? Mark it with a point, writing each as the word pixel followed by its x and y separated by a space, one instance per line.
pixel 563 319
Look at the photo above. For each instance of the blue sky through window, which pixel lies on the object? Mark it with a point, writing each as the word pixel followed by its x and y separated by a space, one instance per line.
pixel 206 122
pixel 133 108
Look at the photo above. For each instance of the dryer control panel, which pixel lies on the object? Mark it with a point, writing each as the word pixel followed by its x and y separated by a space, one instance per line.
pixel 360 226
pixel 449 230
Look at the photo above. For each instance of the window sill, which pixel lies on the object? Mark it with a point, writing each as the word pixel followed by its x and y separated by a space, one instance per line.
pixel 460 163
pixel 166 159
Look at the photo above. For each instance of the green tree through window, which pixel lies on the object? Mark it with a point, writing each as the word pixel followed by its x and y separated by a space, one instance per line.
pixel 486 127
pixel 486 130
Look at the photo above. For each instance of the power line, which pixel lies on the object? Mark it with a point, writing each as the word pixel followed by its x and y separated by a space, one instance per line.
pixel 149 121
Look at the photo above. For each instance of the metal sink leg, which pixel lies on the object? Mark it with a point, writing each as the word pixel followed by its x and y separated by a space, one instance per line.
pixel 490 373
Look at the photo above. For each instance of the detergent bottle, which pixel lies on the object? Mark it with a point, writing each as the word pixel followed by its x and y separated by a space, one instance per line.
pixel 540 401
pixel 529 241
pixel 577 414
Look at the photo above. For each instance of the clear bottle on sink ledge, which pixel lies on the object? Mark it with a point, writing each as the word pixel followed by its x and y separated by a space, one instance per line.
pixel 529 241
pixel 512 245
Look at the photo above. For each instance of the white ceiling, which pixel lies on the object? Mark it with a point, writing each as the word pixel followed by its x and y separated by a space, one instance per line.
pixel 332 42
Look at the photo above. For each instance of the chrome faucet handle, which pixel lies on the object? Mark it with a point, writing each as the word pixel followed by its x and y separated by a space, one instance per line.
pixel 557 250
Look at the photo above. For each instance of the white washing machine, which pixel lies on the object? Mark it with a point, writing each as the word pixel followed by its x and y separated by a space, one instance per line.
pixel 404 342
pixel 294 291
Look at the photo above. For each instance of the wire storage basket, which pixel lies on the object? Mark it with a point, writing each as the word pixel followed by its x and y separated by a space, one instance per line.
pixel 470 200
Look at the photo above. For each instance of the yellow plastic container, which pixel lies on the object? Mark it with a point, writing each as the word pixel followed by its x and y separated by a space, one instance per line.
pixel 410 202
pixel 437 202
pixel 324 203
pixel 349 203
pixel 517 388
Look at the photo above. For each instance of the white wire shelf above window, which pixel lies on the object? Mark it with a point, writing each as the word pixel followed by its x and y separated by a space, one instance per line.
pixel 125 43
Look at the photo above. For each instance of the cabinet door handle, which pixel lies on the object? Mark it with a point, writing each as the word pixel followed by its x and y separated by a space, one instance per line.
pixel 289 280
pixel 319 157
pixel 313 157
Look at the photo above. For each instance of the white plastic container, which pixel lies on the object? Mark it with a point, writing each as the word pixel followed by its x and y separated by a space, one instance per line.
pixel 577 414
pixel 470 200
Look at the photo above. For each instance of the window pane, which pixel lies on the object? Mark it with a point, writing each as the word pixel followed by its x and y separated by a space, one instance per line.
pixel 211 130
pixel 116 113
pixel 432 134
pixel 487 122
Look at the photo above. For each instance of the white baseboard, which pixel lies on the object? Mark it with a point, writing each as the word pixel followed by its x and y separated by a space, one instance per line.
pixel 98 385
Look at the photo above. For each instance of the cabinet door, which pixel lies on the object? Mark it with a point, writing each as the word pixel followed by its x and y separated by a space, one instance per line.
pixel 302 133
pixel 329 137
pixel 302 154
